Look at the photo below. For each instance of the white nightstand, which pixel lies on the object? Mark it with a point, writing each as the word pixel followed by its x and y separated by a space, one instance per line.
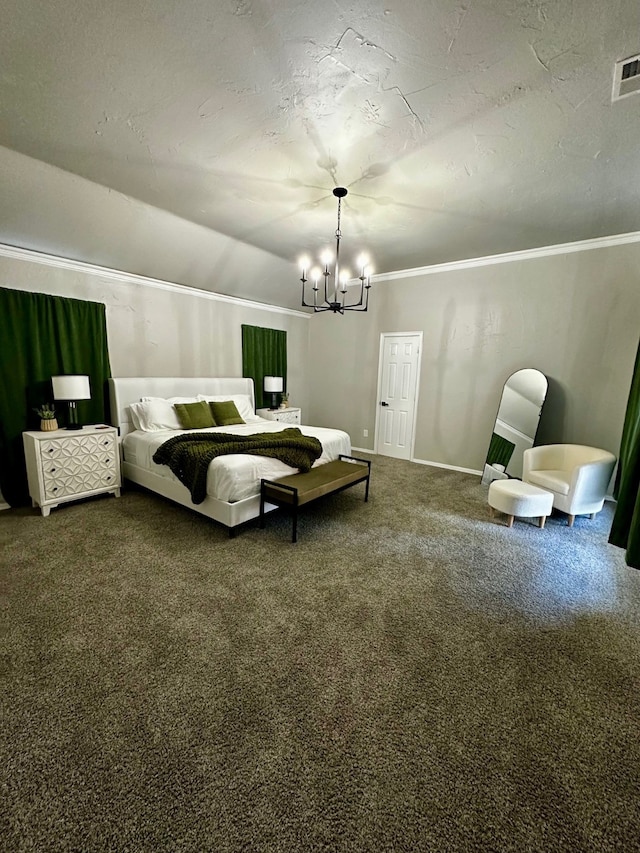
pixel 65 465
pixel 290 415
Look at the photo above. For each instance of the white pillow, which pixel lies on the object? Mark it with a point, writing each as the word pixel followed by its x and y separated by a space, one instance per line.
pixel 154 415
pixel 135 420
pixel 242 401
pixel 171 399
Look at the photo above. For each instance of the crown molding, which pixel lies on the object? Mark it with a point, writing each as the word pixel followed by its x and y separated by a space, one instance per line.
pixel 20 254
pixel 508 257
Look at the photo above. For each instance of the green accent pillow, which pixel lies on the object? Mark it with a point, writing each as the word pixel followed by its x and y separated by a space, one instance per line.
pixel 194 415
pixel 225 413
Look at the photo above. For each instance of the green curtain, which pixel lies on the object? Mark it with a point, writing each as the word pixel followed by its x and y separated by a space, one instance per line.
pixel 264 353
pixel 625 529
pixel 500 450
pixel 43 336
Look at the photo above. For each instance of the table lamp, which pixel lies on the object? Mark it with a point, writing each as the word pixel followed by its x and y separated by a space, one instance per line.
pixel 273 385
pixel 71 389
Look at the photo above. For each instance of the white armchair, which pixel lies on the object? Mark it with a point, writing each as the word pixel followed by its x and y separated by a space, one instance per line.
pixel 577 475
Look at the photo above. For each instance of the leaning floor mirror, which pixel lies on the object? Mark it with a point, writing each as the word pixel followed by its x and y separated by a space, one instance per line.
pixel 516 424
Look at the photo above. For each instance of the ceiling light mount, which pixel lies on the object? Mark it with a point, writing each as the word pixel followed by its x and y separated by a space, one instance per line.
pixel 335 296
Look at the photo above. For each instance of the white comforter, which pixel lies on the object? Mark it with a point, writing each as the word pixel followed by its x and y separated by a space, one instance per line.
pixel 236 476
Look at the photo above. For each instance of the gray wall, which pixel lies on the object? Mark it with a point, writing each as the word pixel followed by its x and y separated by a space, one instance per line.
pixel 69 216
pixel 575 317
pixel 175 332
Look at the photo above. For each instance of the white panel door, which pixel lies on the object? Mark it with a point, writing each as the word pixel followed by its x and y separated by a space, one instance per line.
pixel 398 383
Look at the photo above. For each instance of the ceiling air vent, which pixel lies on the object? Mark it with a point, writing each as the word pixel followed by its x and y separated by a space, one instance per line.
pixel 626 77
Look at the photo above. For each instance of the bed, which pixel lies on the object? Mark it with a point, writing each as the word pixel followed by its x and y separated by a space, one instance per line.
pixel 233 481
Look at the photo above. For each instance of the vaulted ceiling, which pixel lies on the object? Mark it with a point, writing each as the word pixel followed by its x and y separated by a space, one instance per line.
pixel 461 129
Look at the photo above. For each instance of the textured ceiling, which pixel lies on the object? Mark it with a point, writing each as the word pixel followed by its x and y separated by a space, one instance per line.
pixel 461 129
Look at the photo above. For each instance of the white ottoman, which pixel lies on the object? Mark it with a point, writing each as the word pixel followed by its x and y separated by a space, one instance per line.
pixel 513 497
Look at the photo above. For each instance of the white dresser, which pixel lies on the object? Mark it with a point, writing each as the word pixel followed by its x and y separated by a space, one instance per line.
pixel 290 415
pixel 65 465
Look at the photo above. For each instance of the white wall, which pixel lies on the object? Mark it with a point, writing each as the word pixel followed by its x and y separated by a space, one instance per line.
pixel 574 316
pixel 175 331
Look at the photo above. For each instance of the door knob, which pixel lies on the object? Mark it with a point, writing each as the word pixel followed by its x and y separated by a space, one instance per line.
pixel 383 403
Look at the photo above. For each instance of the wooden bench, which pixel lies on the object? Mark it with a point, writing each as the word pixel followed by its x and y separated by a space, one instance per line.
pixel 296 490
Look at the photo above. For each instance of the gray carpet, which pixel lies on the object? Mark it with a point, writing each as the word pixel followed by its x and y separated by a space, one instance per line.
pixel 411 676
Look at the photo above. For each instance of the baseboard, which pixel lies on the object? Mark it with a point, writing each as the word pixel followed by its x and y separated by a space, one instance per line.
pixel 427 462
pixel 448 467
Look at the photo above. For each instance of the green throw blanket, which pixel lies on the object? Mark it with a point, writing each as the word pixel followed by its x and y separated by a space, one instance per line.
pixel 189 456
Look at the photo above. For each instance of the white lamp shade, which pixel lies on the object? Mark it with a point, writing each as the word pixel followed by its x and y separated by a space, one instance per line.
pixel 273 384
pixel 71 388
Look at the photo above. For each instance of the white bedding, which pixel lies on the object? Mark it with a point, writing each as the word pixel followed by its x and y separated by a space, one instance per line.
pixel 236 476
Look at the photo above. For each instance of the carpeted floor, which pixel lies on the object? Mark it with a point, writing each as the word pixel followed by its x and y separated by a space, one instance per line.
pixel 411 676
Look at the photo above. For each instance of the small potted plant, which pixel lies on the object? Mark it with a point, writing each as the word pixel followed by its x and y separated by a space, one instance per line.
pixel 47 414
pixel 284 400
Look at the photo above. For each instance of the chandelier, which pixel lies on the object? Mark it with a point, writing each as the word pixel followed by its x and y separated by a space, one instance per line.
pixel 334 294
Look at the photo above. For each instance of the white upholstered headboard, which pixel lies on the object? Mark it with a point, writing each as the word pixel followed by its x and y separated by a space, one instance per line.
pixel 123 392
